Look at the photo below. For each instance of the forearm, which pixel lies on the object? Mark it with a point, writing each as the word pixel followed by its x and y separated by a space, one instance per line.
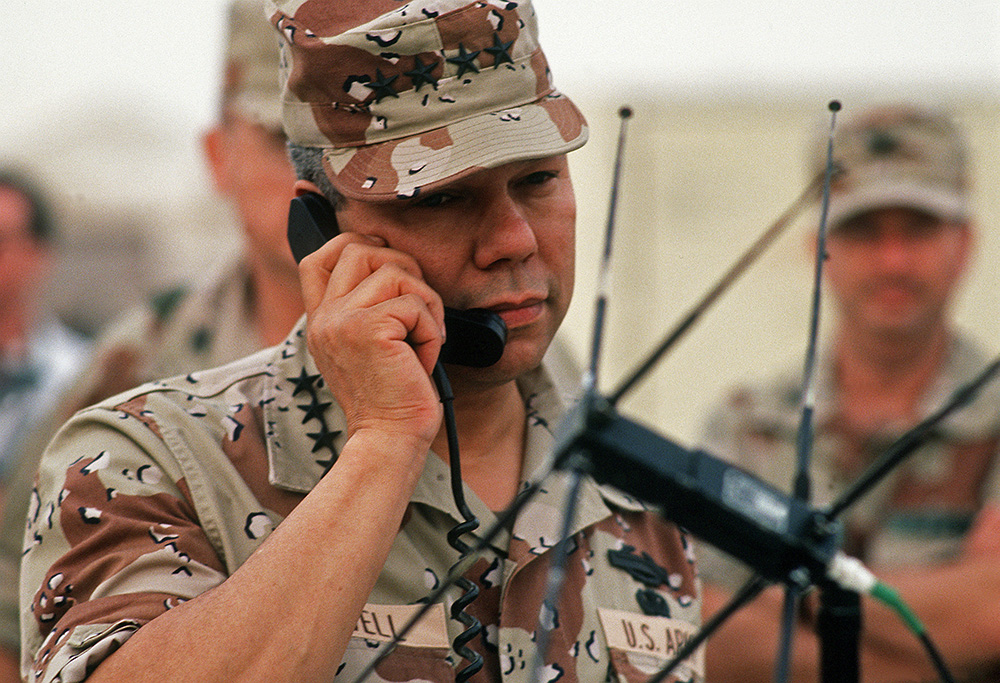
pixel 957 603
pixel 289 611
pixel 745 648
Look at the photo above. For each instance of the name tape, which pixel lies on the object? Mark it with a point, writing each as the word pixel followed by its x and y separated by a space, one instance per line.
pixel 659 638
pixel 383 622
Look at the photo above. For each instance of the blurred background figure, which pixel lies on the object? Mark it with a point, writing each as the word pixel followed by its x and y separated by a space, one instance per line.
pixel 249 302
pixel 900 239
pixel 38 354
pixel 252 300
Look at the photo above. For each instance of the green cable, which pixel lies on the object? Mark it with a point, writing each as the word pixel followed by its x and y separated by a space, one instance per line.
pixel 887 595
pixel 890 597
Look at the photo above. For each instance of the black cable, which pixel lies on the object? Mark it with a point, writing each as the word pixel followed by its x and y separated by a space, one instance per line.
pixel 936 658
pixel 503 521
pixel 470 591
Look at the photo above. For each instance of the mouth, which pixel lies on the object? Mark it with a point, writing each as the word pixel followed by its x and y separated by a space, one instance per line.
pixel 521 313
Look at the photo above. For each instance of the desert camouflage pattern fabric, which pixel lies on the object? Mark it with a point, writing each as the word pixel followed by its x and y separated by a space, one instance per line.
pixel 919 514
pixel 250 83
pixel 158 494
pixel 178 331
pixel 418 93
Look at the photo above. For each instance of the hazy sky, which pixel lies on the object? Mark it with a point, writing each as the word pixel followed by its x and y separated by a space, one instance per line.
pixel 59 54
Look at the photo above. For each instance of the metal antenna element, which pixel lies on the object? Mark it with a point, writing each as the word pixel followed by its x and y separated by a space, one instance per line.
pixel 557 573
pixel 911 440
pixel 801 485
pixel 755 251
pixel 805 435
pixel 604 274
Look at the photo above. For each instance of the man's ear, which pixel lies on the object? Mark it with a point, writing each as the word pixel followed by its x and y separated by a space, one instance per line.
pixel 213 147
pixel 304 187
pixel 967 245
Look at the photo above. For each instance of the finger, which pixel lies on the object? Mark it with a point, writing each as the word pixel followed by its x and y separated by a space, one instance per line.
pixel 390 305
pixel 421 325
pixel 342 263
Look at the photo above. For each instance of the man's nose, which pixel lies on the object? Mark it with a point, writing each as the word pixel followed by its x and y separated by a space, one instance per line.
pixel 505 234
pixel 893 250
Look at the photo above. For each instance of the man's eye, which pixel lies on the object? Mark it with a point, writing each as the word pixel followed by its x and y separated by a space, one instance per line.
pixel 435 199
pixel 538 177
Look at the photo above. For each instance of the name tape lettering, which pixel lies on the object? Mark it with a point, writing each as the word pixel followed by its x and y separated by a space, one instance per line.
pixel 383 622
pixel 660 637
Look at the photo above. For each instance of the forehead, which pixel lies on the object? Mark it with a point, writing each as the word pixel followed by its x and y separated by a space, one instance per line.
pixel 15 212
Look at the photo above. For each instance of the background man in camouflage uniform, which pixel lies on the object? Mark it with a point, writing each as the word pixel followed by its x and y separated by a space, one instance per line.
pixel 900 239
pixel 250 302
pixel 39 355
pixel 278 518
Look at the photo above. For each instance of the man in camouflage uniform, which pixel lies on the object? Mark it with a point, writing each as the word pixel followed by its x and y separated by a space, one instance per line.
pixel 249 302
pixel 281 517
pixel 900 238
pixel 39 355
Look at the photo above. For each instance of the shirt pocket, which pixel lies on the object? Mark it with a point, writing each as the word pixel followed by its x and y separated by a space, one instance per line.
pixel 423 654
pixel 405 663
pixel 640 646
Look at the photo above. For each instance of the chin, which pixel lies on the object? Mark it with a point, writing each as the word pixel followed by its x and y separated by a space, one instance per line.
pixel 516 361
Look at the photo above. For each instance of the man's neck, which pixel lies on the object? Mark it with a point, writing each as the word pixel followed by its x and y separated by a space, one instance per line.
pixel 14 332
pixel 277 302
pixel 491 426
pixel 882 380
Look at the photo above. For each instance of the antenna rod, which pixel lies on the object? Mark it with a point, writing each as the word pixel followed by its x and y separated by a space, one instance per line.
pixel 804 442
pixel 604 274
pixel 725 282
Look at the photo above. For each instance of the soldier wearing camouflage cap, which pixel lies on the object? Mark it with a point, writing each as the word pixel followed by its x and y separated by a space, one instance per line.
pixel 900 239
pixel 282 517
pixel 247 301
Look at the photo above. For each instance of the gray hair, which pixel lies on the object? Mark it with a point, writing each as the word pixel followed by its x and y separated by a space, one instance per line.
pixel 308 163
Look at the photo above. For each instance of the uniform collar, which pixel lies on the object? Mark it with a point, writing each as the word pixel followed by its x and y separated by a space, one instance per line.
pixel 303 423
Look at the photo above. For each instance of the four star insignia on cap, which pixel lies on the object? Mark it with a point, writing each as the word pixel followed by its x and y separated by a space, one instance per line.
pixel 382 86
pixel 500 51
pixel 466 61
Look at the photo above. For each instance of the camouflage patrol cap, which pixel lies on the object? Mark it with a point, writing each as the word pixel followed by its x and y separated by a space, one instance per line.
pixel 250 83
pixel 898 155
pixel 405 97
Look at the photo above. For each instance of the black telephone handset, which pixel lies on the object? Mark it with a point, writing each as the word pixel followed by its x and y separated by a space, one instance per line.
pixel 475 338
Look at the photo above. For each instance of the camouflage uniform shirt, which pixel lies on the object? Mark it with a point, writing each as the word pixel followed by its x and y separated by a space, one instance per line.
pixel 189 476
pixel 920 513
pixel 180 330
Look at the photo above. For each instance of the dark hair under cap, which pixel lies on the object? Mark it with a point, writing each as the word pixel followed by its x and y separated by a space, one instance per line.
pixel 42 226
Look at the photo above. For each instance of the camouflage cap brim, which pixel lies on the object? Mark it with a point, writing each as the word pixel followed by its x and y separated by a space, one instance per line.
pixel 897 155
pixel 419 163
pixel 934 200
pixel 251 86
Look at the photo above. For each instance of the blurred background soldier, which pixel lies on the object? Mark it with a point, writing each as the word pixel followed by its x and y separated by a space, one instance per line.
pixel 39 356
pixel 249 303
pixel 900 240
